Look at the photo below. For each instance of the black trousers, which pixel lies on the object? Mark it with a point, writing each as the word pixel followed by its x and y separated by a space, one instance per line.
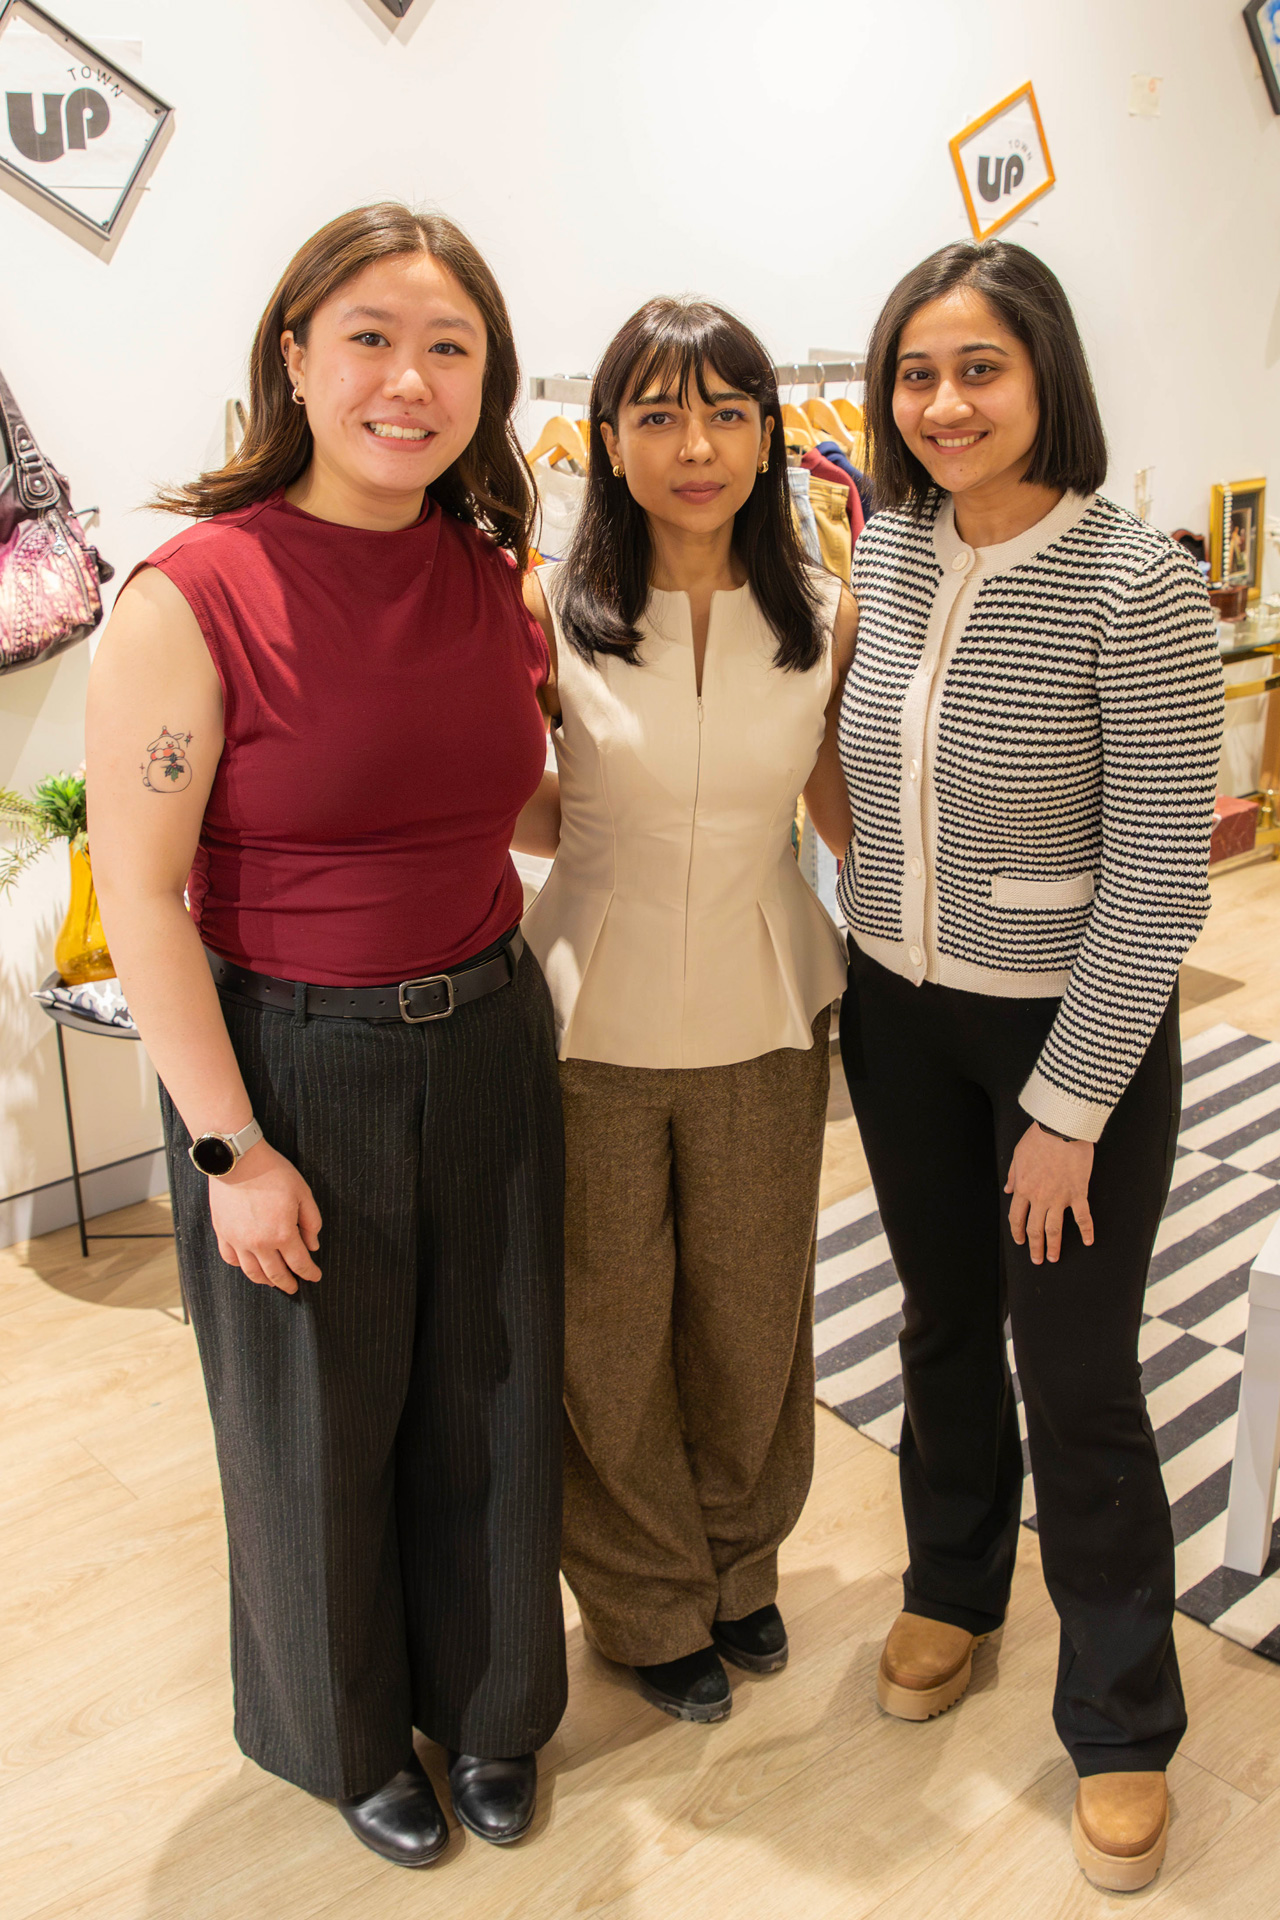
pixel 934 1076
pixel 389 1438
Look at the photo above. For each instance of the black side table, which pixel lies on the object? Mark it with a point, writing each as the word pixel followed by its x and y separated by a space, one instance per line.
pixel 82 1023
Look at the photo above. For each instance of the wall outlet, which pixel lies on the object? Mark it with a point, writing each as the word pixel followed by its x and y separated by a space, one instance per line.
pixel 1144 95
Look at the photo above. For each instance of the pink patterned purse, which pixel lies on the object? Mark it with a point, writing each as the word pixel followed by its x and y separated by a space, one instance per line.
pixel 49 575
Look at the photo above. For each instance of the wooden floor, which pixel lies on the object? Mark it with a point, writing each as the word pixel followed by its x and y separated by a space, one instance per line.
pixel 122 1794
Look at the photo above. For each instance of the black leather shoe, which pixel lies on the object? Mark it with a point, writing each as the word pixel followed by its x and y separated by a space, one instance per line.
pixel 695 1687
pixel 494 1799
pixel 401 1821
pixel 757 1642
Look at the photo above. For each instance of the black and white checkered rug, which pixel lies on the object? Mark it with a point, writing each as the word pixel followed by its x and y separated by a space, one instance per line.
pixel 1225 1198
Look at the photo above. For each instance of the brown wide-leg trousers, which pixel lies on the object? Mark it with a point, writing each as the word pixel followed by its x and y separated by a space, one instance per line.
pixel 691 1205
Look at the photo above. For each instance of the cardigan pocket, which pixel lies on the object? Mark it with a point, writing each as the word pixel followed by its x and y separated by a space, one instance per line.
pixel 1076 890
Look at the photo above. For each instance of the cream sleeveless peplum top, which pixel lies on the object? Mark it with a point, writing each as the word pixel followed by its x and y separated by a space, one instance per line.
pixel 675 929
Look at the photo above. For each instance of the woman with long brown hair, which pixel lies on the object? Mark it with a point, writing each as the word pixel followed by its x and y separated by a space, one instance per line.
pixel 355 1047
pixel 1033 665
pixel 697 668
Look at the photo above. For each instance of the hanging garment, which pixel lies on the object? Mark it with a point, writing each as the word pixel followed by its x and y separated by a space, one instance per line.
pixel 831 515
pixel 560 498
pixel 823 469
pixel 802 514
pixel 862 481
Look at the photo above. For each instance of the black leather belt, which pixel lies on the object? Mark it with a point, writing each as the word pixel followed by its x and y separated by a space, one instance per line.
pixel 432 997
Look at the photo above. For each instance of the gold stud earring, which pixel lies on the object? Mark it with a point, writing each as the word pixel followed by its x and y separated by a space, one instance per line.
pixel 618 472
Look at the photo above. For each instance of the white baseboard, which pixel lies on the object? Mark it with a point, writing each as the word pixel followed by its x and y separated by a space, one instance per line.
pixel 120 1184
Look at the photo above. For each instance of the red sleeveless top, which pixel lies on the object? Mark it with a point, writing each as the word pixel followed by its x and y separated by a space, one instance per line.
pixel 382 733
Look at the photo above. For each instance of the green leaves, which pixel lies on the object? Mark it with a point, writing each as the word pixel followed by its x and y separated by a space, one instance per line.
pixel 57 812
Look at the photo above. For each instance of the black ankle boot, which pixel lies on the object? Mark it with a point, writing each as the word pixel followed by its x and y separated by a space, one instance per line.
pixel 494 1799
pixel 401 1821
pixel 695 1687
pixel 757 1642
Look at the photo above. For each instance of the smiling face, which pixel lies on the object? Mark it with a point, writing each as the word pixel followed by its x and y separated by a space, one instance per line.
pixel 689 462
pixel 392 373
pixel 964 397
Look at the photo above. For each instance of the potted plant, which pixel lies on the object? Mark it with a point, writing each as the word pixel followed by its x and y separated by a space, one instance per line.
pixel 58 812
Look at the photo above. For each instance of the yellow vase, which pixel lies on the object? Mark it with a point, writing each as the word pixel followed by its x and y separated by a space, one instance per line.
pixel 81 951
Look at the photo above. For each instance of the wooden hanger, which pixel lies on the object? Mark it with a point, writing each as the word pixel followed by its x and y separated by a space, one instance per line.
pixel 559 440
pixel 796 428
pixel 851 415
pixel 826 422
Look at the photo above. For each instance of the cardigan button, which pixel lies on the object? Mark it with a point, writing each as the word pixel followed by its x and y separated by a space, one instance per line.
pixel 915 956
pixel 960 562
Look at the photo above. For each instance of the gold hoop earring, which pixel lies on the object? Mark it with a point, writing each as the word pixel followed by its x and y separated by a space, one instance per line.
pixel 618 472
pixel 297 398
pixel 764 465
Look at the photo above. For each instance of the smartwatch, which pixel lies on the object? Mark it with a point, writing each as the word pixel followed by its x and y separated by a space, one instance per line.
pixel 217 1153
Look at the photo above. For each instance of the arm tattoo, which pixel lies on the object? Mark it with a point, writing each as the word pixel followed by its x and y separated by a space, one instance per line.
pixel 166 768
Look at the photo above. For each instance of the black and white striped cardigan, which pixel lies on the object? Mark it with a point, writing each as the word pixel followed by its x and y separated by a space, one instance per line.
pixel 1030 735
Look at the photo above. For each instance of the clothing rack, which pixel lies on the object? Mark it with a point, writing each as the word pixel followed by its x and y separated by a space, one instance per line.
pixel 571 392
pixel 823 367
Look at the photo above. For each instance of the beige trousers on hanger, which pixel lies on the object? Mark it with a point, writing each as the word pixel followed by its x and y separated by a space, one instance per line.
pixel 691 1204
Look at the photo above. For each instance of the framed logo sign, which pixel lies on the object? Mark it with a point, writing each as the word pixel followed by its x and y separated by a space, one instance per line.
pixel 1002 162
pixel 74 127
pixel 1263 20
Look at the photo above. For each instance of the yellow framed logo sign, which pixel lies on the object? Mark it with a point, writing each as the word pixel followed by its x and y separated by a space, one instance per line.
pixel 1002 162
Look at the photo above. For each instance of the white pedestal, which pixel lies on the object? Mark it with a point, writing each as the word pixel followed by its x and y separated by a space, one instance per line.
pixel 1257 1457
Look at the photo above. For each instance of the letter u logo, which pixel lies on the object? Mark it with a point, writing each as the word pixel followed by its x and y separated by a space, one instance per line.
pixel 987 187
pixel 22 126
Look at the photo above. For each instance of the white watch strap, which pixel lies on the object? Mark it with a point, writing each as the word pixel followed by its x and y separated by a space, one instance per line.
pixel 247 1137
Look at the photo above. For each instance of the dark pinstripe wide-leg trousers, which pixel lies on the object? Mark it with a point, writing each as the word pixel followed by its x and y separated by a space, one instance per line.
pixel 389 1437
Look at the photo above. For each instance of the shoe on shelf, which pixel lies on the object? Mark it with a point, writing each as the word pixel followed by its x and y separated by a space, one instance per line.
pixel 757 1642
pixel 1120 1828
pixel 695 1687
pixel 494 1799
pixel 401 1821
pixel 925 1667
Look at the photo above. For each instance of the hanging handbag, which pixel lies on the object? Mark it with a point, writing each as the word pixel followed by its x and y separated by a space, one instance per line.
pixel 49 574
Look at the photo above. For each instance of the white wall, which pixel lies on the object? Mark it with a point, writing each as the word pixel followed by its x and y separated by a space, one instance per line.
pixel 788 160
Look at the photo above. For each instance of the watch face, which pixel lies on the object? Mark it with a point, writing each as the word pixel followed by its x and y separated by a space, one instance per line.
pixel 212 1155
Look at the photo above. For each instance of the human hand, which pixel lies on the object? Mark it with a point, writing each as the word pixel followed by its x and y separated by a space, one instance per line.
pixel 266 1220
pixel 1048 1177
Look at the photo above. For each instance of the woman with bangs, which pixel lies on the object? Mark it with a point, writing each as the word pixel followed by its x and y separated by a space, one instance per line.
pixel 697 669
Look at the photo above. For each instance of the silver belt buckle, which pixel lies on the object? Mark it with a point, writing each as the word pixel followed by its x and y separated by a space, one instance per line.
pixel 427 980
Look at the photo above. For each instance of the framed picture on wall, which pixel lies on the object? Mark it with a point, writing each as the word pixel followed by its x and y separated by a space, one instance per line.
pixel 1237 526
pixel 75 130
pixel 1002 162
pixel 1262 17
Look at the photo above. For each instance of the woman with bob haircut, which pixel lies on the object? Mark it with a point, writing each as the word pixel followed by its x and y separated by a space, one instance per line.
pixel 321 703
pixel 697 668
pixel 1030 737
